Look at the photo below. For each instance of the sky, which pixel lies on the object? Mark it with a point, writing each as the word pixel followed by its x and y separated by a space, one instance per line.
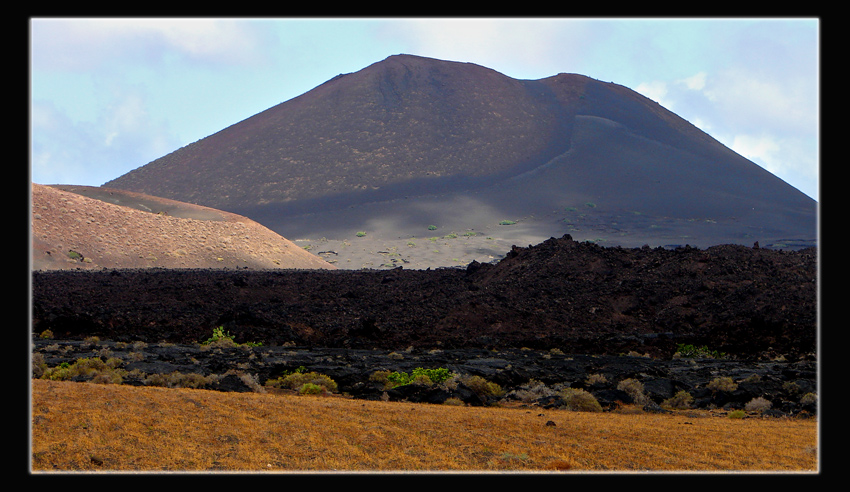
pixel 109 95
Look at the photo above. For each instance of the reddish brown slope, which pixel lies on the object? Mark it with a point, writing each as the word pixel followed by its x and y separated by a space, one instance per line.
pixel 70 230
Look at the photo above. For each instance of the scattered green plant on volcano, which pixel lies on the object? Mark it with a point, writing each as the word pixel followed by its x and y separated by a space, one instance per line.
pixel 419 375
pixel 692 351
pixel 221 338
pixel 95 369
pixel 303 381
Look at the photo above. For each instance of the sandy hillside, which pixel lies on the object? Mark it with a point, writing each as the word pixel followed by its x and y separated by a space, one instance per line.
pixel 72 231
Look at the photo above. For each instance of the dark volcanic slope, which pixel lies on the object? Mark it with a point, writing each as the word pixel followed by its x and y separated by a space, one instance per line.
pixel 575 296
pixel 413 141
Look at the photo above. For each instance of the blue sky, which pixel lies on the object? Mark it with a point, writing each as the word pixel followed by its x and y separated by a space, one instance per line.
pixel 109 95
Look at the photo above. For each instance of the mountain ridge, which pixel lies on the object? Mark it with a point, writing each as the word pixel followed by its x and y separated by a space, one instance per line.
pixel 410 134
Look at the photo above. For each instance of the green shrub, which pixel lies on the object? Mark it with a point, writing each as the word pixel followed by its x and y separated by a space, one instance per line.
pixel 681 400
pixel 437 376
pixel 791 387
pixel 579 400
pixel 482 387
pixel 809 398
pixel 419 375
pixel 62 372
pixel 691 351
pixel 221 338
pixel 724 383
pixel 507 222
pixel 397 378
pixel 736 414
pixel 95 369
pixel 296 380
pixel 361 233
pixel 311 389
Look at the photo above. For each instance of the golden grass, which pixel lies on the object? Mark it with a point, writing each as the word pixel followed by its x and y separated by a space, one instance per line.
pixel 94 427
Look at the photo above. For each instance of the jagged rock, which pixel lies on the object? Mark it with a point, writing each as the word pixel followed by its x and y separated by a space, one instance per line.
pixel 511 369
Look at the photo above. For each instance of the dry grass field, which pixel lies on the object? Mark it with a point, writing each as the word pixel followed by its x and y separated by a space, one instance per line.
pixel 86 427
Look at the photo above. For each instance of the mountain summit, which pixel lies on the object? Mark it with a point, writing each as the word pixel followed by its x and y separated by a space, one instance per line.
pixel 411 141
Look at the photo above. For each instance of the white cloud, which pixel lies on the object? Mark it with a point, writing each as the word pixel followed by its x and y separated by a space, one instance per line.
pixel 122 138
pixel 520 48
pixel 84 44
pixel 696 82
pixel 750 102
pixel 655 90
pixel 757 147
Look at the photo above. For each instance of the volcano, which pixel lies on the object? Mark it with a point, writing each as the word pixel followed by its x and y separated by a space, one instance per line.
pixel 453 162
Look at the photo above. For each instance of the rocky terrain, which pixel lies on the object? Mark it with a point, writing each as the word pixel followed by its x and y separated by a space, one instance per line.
pixel 524 375
pixel 556 312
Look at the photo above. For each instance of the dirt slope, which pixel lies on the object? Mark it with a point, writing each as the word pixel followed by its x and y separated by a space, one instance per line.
pixel 117 229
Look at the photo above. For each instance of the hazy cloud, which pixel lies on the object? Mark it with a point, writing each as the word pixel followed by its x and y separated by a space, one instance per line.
pixel 83 44
pixel 519 48
pixel 89 152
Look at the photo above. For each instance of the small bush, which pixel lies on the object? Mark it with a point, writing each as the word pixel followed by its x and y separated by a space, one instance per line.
pixel 579 400
pixel 532 390
pixel 791 387
pixel 809 398
pixel 419 375
pixel 220 338
pixel 681 400
pixel 595 379
pixel 437 376
pixel 688 350
pixel 737 414
pixel 635 389
pixel 296 380
pixel 38 365
pixel 91 368
pixel 481 386
pixel 724 383
pixel 758 404
pixel 311 389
